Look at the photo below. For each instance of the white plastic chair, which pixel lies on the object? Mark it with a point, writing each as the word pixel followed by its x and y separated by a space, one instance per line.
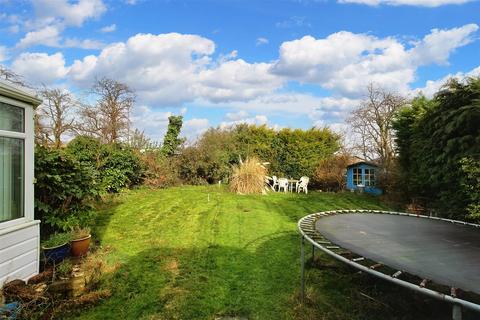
pixel 283 183
pixel 274 182
pixel 302 184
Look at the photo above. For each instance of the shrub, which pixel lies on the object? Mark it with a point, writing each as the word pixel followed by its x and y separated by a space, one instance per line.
pixel 248 177
pixel 330 173
pixel 86 150
pixel 57 239
pixel 120 167
pixel 292 153
pixel 63 191
pixel 432 137
pixel 471 186
pixel 160 172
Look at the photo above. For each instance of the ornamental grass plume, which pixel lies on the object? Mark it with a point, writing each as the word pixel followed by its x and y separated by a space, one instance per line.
pixel 248 177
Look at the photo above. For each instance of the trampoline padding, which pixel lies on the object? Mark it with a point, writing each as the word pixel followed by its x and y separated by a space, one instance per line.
pixel 446 253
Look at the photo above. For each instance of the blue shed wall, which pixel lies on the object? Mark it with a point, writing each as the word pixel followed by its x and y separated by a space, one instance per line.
pixel 362 166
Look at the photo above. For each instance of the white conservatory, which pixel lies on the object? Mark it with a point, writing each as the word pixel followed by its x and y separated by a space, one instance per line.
pixel 19 231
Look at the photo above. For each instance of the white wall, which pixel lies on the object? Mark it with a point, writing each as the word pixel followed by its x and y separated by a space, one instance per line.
pixel 20 238
pixel 19 252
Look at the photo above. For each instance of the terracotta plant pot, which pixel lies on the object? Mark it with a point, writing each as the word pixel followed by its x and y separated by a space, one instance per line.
pixel 79 247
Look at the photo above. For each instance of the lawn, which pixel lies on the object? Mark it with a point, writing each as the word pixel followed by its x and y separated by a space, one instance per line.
pixel 205 253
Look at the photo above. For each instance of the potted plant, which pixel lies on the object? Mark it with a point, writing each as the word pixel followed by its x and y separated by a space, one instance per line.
pixel 57 247
pixel 80 241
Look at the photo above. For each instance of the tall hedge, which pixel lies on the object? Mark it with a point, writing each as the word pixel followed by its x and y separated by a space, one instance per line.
pixel 64 189
pixel 433 136
pixel 290 152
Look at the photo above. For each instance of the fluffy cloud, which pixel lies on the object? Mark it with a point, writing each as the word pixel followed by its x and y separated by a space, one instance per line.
pixel 432 86
pixel 343 62
pixel 247 119
pixel 169 69
pixel 192 128
pixel 83 44
pixel 67 13
pixel 40 68
pixel 437 46
pixel 419 3
pixel 49 36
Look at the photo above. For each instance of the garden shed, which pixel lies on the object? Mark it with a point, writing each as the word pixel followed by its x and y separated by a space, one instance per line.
pixel 19 231
pixel 362 176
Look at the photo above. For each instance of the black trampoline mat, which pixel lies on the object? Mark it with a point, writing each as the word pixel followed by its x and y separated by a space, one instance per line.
pixel 446 253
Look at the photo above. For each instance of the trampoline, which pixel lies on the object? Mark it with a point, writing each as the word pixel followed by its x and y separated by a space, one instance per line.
pixel 440 251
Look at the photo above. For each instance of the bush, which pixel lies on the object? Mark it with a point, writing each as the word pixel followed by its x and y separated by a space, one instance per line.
pixel 64 189
pixel 248 177
pixel 292 153
pixel 471 186
pixel 330 173
pixel 432 137
pixel 118 165
pixel 160 172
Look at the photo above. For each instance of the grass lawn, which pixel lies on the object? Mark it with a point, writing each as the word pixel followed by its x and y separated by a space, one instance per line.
pixel 204 253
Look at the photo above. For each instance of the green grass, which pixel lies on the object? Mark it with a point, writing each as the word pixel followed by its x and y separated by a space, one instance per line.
pixel 205 253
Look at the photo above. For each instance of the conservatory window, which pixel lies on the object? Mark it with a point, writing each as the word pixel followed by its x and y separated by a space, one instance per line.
pixel 369 177
pixel 12 162
pixel 357 176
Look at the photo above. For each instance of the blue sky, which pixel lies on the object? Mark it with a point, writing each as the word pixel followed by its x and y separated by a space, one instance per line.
pixel 290 63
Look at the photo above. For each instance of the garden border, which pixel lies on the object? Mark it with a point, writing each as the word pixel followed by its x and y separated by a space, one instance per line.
pixel 308 231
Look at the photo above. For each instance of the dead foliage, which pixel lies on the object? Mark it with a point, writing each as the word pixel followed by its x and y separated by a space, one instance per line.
pixel 248 177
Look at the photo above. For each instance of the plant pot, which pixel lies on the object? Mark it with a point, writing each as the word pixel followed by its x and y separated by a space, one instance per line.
pixel 80 246
pixel 56 254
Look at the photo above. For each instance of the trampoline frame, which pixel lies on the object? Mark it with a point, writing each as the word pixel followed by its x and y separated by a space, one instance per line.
pixel 308 231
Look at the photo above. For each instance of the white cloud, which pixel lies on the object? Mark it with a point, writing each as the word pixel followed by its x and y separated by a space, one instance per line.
pixel 67 13
pixel 235 116
pixel 169 69
pixel 258 120
pixel 432 86
pixel 437 46
pixel 419 3
pixel 82 44
pixel 3 53
pixel 261 41
pixel 192 128
pixel 40 68
pixel 345 62
pixel 109 28
pixel 153 122
pixel 49 36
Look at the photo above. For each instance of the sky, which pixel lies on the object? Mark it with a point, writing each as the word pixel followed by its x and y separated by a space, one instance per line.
pixel 283 63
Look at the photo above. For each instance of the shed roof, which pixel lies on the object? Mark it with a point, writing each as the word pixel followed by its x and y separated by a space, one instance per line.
pixel 19 93
pixel 370 163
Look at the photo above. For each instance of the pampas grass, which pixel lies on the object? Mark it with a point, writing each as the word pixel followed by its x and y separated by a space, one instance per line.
pixel 248 177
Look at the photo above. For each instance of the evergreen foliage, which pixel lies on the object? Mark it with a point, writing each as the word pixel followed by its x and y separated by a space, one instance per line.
pixel 63 189
pixel 433 136
pixel 171 142
pixel 290 152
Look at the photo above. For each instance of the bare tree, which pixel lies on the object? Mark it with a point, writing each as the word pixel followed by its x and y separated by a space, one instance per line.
pixel 139 141
pixel 10 76
pixel 55 114
pixel 109 118
pixel 372 123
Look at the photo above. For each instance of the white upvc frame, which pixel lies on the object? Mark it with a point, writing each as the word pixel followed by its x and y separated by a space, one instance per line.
pixel 28 138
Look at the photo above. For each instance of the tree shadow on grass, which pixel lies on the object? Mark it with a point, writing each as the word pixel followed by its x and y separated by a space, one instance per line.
pixel 105 210
pixel 253 283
